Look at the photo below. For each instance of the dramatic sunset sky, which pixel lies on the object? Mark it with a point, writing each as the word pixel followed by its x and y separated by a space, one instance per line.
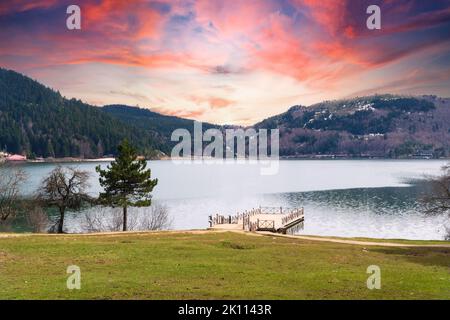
pixel 228 61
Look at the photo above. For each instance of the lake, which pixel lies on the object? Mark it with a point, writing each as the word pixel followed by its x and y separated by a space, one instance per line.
pixel 351 198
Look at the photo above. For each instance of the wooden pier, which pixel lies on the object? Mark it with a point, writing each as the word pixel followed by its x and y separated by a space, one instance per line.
pixel 273 219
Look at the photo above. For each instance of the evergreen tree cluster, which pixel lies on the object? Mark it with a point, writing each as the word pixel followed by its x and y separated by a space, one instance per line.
pixel 38 121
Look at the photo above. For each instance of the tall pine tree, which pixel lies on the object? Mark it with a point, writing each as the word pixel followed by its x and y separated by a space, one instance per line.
pixel 127 181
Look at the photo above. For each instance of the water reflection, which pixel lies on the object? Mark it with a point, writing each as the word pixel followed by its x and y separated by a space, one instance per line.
pixel 391 212
pixel 379 201
pixel 354 198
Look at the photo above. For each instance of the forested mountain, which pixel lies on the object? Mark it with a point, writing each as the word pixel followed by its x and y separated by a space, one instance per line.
pixel 376 126
pixel 157 124
pixel 38 121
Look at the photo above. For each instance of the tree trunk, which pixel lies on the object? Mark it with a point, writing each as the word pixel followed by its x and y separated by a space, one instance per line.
pixel 61 219
pixel 125 218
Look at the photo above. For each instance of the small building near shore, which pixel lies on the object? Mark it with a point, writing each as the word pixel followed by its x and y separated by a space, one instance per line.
pixel 16 157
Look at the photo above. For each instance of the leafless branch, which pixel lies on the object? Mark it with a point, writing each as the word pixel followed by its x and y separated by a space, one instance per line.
pixel 64 188
pixel 104 219
pixel 11 180
pixel 437 201
pixel 37 219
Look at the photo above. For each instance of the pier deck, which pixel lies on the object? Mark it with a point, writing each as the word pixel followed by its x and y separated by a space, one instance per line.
pixel 273 219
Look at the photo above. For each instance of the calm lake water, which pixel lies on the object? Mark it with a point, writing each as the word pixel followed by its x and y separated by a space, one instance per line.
pixel 354 198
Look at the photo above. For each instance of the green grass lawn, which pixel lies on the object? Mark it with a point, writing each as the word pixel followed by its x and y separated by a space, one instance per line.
pixel 215 265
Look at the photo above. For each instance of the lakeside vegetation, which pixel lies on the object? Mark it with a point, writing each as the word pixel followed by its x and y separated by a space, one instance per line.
pixel 215 265
pixel 126 183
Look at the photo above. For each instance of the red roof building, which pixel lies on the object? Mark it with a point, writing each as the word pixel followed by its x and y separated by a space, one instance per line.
pixel 16 157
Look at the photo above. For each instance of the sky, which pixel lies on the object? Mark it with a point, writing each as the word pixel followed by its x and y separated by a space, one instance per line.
pixel 228 62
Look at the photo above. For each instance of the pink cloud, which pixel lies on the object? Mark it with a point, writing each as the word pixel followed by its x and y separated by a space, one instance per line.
pixel 331 15
pixel 11 6
pixel 123 19
pixel 233 18
pixel 315 46
pixel 193 114
pixel 213 102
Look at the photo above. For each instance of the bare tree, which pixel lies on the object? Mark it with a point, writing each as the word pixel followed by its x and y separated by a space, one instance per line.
pixel 95 221
pixel 64 188
pixel 437 201
pixel 447 236
pixel 103 219
pixel 156 218
pixel 37 219
pixel 11 179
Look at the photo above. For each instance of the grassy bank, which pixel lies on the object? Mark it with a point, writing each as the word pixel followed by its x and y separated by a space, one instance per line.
pixel 215 265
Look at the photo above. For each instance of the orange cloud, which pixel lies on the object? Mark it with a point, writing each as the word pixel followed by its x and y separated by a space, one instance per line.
pixel 213 102
pixel 126 57
pixel 279 50
pixel 189 114
pixel 128 19
pixel 218 103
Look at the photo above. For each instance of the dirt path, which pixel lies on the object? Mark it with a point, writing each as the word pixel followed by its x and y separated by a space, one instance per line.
pixel 356 242
pixel 267 234
pixel 104 234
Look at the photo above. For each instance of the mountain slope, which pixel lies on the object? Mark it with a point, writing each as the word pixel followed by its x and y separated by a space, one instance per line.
pixel 376 126
pixel 36 120
pixel 156 124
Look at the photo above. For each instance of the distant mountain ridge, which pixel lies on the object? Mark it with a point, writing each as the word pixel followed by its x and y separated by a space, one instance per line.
pixel 376 126
pixel 38 121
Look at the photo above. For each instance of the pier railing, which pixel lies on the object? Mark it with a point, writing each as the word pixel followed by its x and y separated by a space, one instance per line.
pixel 294 215
pixel 247 218
pixel 268 225
pixel 277 210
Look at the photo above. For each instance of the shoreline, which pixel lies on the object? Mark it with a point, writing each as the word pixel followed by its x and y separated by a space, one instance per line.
pixel 340 240
pixel 323 158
